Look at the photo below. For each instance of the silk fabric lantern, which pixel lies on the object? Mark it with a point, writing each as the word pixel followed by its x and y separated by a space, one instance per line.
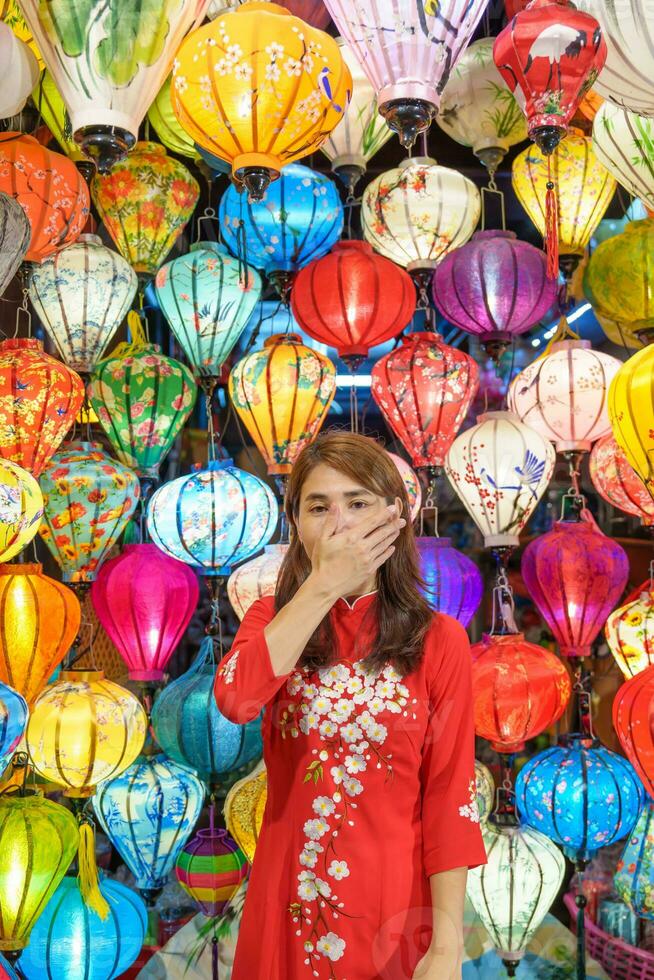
pixel 11 14
pixel 454 585
pixel 21 509
pixel 244 807
pixel 485 791
pixel 634 875
pixel 15 235
pixel 39 619
pixel 81 295
pixel 616 481
pixel 633 706
pixel 630 634
pixel 575 575
pixel 411 485
pixel 283 87
pixel 282 395
pixel 52 109
pixel 13 719
pixel 50 190
pixel 145 600
pixel 500 469
pixel 352 299
pixel 255 578
pixel 145 203
pixel 313 12
pixel 626 263
pixel 624 143
pixel 167 126
pixel 424 389
pixel 631 413
pixel 214 518
pixel 210 869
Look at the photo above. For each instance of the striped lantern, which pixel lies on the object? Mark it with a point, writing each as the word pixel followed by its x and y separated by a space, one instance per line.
pixel 21 508
pixel 624 143
pixel 616 481
pixel 14 238
pixel 210 869
pixel 255 578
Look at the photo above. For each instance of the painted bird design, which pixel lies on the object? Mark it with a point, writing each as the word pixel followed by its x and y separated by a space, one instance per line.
pixel 554 43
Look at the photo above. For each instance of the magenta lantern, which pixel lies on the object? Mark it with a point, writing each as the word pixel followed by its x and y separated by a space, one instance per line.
pixel 494 286
pixel 144 599
pixel 575 575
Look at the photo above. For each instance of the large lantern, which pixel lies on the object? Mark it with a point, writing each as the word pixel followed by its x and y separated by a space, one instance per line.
pixel 82 295
pixel 214 518
pixel 631 412
pixel 89 498
pixel 167 126
pixel 624 142
pixel 13 720
pixel 259 88
pixel 19 72
pixel 424 389
pixel 145 600
pixel 15 235
pixel 210 869
pixel 633 707
pixel 21 508
pixel 282 394
pixel 353 299
pixel 207 297
pixel 255 578
pixel 520 689
pixel 634 875
pixel 39 619
pixel 562 395
pixel 630 634
pixel 499 469
pixel 454 584
pixel 625 263
pixel 39 400
pixel 615 480
pixel 145 203
pixel 109 63
pixel 52 110
pixel 575 575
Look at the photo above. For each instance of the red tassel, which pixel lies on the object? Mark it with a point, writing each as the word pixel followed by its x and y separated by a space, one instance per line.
pixel 551 227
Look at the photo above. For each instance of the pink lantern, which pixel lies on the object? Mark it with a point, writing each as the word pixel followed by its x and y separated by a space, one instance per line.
pixel 255 578
pixel 575 575
pixel 617 482
pixel 144 599
pixel 412 484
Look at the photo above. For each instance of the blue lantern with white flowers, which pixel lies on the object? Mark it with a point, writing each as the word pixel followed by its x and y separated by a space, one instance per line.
pixel 454 584
pixel 13 721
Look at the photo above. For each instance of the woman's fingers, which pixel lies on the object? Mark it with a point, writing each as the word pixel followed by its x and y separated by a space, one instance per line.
pixel 393 526
pixel 381 546
pixel 385 555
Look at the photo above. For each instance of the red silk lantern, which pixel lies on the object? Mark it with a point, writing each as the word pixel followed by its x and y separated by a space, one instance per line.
pixel 614 479
pixel 50 190
pixel 633 720
pixel 424 389
pixel 144 599
pixel 39 400
pixel 353 299
pixel 519 690
pixel 575 575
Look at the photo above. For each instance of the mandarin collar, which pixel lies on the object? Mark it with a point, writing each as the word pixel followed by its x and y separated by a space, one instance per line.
pixel 359 604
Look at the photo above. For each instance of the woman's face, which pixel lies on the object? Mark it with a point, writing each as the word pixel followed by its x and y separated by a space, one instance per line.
pixel 325 486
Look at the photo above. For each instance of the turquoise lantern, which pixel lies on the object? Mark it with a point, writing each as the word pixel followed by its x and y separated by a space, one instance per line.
pixel 213 519
pixel 207 297
pixel 148 813
pixel 13 720
pixel 190 729
pixel 69 941
pixel 634 876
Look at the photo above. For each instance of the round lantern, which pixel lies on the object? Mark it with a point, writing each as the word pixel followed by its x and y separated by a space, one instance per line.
pixel 109 76
pixel 631 413
pixel 19 72
pixel 579 794
pixel 207 297
pixel 39 619
pixel 255 578
pixel 145 600
pixel 15 235
pixel 167 126
pixel 616 481
pixel 411 484
pixel 84 729
pixel 210 869
pixel 142 398
pixel 624 143
pixel 625 263
pixel 50 190
pixel 70 940
pixel 21 508
pixel 282 394
pixel 11 14
pixel 520 689
pixel 13 720
pixel 478 109
pixel 407 51
pixel 500 469
pixel 145 203
pixel 214 518
pixel 89 498
pixel 562 395
pixel 495 287
pixel 618 332
pixel 39 400
pixel 148 813
pixel 634 876
pixel 630 633
pixel 352 299
pixel 418 212
pixel 82 294
pixel 454 584
pixel 361 132
pixel 190 729
pixel 575 575
pixel 283 86
pixel 633 707
pixel 424 389
pixel 52 110
pixel 38 840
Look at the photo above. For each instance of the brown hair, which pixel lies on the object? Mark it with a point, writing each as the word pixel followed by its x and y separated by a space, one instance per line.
pixel 402 614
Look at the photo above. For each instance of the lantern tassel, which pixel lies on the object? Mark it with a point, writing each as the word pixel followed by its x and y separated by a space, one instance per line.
pixel 89 884
pixel 551 227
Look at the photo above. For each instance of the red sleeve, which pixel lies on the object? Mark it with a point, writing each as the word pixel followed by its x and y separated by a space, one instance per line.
pixel 450 821
pixel 245 679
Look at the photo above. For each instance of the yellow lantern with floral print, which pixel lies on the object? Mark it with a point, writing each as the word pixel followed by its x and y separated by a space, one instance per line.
pixel 630 634
pixel 21 508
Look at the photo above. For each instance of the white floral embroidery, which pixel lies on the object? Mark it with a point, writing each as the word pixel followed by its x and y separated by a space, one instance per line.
pixel 227 669
pixel 471 810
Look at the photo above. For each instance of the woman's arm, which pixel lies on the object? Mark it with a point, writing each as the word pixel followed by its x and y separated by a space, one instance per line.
pixel 443 960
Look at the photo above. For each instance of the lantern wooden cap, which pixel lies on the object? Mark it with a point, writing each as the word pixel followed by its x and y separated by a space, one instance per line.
pixel 282 338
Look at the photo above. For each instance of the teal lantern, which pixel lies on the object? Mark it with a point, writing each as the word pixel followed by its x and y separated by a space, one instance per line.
pixel 13 720
pixel 207 297
pixel 70 941
pixel 634 876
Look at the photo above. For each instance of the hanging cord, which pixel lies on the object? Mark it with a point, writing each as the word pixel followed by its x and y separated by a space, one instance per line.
pixel 354 404
pixel 503 616
pixel 209 386
pixel 214 627
pixel 581 902
pixel 23 310
pixel 429 506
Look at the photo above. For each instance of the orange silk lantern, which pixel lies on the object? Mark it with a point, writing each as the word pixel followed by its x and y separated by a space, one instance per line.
pixel 39 619
pixel 39 401
pixel 633 711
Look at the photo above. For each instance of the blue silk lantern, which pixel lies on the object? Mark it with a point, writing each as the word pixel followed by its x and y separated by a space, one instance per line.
pixel 634 876
pixel 579 794
pixel 70 941
pixel 214 518
pixel 190 729
pixel 454 583
pixel 13 719
pixel 214 163
pixel 148 813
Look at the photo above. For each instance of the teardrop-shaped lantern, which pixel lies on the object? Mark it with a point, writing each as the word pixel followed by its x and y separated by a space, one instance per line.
pixel 210 869
pixel 616 481
pixel 625 263
pixel 282 394
pixel 634 875
pixel 633 708
pixel 52 109
pixel 21 508
pixel 15 233
pixel 167 126
pixel 255 578
pixel 89 498
pixel 630 634
pixel 454 584
pixel 13 721
pixel 624 143
pixel 631 411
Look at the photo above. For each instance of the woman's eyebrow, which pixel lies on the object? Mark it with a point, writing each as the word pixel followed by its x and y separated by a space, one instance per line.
pixel 348 493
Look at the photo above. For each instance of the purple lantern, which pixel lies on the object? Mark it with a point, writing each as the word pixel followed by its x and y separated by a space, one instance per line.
pixel 495 287
pixel 454 583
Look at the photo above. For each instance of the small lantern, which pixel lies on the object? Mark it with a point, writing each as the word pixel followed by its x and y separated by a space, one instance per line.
pixel 13 720
pixel 210 869
pixel 255 578
pixel 15 235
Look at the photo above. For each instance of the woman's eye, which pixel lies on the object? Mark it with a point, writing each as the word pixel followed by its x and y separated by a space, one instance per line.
pixel 358 504
pixel 317 510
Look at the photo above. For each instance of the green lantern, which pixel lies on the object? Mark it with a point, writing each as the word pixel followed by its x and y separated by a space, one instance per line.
pixel 619 279
pixel 167 127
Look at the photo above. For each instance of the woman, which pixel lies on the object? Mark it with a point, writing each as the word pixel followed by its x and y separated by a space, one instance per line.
pixel 371 821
